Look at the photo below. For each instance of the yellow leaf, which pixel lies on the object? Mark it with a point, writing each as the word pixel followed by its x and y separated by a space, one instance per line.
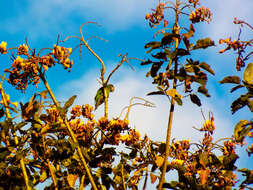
pixel 159 161
pixel 173 92
pixel 71 178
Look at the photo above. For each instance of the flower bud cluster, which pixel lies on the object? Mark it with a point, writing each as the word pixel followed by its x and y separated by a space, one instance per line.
pixel 23 72
pixel 229 147
pixel 62 55
pixel 236 45
pixel 200 15
pixel 157 16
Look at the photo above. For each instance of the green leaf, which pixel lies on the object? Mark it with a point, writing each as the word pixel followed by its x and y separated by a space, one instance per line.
pixel 195 99
pixel 152 45
pixel 236 87
pixel 248 74
pixel 207 67
pixel 250 104
pixel 178 100
pixel 146 62
pixel 168 38
pixel 229 160
pixel 240 103
pixel 155 68
pixel 203 90
pixel 69 102
pixel 182 52
pixel 241 130
pixel 231 79
pixel 155 93
pixel 203 43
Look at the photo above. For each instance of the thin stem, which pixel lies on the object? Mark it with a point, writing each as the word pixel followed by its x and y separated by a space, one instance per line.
pixel 176 28
pixel 82 182
pixel 146 179
pixel 102 71
pixel 51 170
pixel 123 179
pixel 22 163
pixel 72 135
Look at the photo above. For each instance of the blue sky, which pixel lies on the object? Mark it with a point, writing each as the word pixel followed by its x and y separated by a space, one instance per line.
pixel 125 28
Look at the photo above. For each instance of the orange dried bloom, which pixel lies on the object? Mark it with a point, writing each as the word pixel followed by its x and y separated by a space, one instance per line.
pixel 87 111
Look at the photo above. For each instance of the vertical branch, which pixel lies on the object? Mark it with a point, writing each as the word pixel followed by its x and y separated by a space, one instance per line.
pixel 123 178
pixel 146 179
pixel 72 135
pixel 172 104
pixel 22 163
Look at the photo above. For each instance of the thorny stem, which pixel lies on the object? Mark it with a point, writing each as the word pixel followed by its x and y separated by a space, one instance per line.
pixel 72 135
pixel 22 163
pixel 172 104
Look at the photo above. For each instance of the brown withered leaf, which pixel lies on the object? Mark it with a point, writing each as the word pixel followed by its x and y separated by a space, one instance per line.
pixel 204 176
pixel 153 178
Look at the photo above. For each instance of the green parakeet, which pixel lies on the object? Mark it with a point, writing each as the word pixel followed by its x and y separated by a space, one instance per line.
pixel 99 98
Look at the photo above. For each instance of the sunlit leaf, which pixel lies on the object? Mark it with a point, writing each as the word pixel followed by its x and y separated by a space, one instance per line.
pixel 231 79
pixel 240 102
pixel 159 161
pixel 44 94
pixel 71 178
pixel 69 102
pixel 152 45
pixel 43 176
pixel 229 160
pixel 207 67
pixel 248 74
pixel 203 43
pixel 241 130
